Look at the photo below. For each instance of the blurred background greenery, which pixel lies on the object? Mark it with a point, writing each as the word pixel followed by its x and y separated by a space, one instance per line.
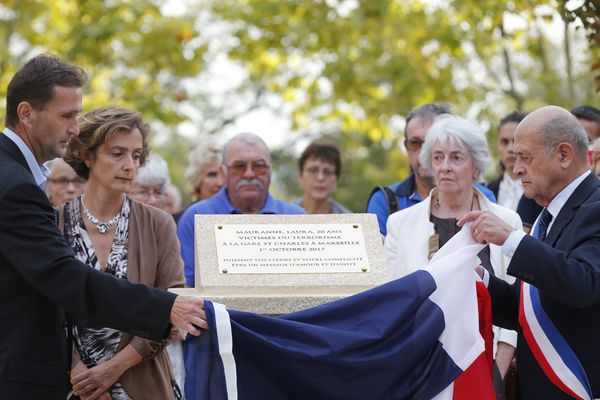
pixel 348 70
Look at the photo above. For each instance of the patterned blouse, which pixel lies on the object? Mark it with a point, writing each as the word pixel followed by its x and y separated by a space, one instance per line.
pixel 95 345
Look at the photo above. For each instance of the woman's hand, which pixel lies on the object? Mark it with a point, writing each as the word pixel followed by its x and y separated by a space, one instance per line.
pixel 93 383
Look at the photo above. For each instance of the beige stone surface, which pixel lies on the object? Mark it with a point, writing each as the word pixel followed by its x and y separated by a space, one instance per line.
pixel 273 294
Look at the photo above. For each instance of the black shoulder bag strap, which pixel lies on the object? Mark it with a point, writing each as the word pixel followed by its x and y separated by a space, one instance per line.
pixel 390 198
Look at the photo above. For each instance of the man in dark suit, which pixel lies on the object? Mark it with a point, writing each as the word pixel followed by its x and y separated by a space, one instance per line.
pixel 562 265
pixel 39 277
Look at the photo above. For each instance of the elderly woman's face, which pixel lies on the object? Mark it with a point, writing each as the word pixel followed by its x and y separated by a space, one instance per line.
pixel 453 168
pixel 63 183
pixel 154 195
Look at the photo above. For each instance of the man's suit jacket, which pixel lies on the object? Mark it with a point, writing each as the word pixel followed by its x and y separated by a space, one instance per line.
pixel 566 270
pixel 39 279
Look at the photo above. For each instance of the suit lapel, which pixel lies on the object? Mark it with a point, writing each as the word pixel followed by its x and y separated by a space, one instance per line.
pixel 583 191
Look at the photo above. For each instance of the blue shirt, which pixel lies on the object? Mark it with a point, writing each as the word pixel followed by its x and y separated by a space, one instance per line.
pixel 407 196
pixel 218 204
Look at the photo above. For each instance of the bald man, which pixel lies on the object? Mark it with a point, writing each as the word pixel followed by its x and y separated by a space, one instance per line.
pixel 555 302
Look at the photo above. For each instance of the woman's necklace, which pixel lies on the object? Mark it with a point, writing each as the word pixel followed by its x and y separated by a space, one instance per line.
pixel 102 227
pixel 437 203
pixel 433 242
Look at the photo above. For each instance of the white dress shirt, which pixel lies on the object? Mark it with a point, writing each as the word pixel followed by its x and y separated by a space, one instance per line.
pixel 509 191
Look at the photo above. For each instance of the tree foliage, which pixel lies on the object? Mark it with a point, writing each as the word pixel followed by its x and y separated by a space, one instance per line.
pixel 588 13
pixel 347 69
pixel 353 69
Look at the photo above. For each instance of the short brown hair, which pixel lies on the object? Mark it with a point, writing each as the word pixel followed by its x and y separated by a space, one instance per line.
pixel 96 128
pixel 324 151
pixel 34 83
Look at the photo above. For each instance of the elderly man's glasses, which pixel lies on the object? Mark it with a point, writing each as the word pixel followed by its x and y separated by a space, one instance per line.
pixel 145 193
pixel 238 168
pixel 65 182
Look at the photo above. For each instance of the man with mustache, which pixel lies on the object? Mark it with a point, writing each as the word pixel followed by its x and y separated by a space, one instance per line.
pixel 247 167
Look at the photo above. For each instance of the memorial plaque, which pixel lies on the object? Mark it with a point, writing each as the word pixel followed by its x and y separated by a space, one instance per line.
pixel 285 249
pixel 276 264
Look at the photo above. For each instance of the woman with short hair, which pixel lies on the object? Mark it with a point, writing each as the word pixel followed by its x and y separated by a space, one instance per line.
pixel 456 151
pixel 320 166
pixel 115 234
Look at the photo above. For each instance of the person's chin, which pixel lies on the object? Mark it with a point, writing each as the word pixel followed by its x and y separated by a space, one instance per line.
pixel 248 189
pixel 59 151
pixel 424 175
pixel 319 196
pixel 122 185
pixel 528 191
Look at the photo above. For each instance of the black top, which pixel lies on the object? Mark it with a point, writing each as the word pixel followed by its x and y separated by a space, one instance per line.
pixel 446 228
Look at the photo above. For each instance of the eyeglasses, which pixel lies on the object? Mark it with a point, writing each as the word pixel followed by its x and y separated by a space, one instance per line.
pixel 146 193
pixel 413 144
pixel 315 171
pixel 64 182
pixel 238 168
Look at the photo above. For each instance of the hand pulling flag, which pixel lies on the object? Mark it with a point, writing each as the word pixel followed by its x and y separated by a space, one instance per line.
pixel 407 339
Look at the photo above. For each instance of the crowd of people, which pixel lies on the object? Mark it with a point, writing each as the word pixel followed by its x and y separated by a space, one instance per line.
pixel 110 215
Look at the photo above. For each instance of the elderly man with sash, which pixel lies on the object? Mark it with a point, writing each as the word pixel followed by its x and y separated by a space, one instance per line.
pixel 555 302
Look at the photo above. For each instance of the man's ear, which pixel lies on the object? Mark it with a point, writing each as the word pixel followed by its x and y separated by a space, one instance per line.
pixel 566 153
pixel 26 112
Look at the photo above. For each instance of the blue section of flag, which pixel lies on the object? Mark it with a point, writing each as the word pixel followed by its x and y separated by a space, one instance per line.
pixel 379 344
pixel 201 355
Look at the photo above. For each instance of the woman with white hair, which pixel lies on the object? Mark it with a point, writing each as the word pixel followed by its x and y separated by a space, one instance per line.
pixel 150 184
pixel 456 151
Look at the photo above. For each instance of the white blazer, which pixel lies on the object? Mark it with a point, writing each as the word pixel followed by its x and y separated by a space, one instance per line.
pixel 406 245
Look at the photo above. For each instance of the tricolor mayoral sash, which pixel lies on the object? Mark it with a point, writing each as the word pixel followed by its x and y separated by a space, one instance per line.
pixel 553 354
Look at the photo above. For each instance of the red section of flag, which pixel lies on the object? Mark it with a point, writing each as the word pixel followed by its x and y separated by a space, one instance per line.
pixel 476 381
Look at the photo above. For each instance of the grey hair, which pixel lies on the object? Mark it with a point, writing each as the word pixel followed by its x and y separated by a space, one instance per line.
pixel 154 172
pixel 564 129
pixel 52 163
pixel 451 129
pixel 206 152
pixel 249 138
pixel 428 112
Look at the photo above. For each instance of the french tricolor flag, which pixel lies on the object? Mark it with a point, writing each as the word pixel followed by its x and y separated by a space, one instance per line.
pixel 408 339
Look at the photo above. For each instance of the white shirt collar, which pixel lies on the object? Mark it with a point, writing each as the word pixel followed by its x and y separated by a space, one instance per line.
pixel 561 198
pixel 40 172
pixel 509 191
